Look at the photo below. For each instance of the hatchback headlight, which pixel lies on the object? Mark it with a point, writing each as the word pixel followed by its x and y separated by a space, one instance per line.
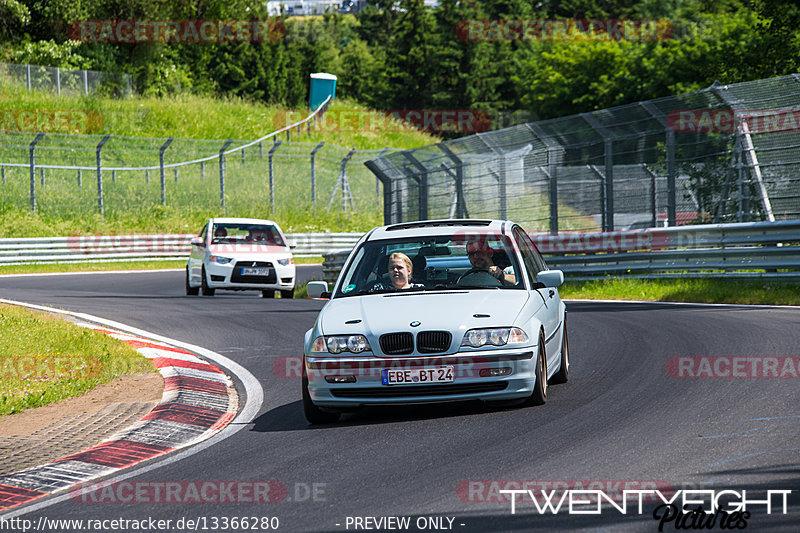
pixel 287 261
pixel 340 343
pixel 475 338
pixel 220 260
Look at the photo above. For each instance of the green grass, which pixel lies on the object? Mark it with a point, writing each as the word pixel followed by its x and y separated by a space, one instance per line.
pixel 67 204
pixel 44 359
pixel 696 290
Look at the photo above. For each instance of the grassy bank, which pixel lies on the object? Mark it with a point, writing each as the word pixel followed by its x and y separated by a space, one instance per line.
pixel 698 290
pixel 67 200
pixel 44 359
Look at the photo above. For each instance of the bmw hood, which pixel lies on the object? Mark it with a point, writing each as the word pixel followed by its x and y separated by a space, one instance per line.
pixel 449 311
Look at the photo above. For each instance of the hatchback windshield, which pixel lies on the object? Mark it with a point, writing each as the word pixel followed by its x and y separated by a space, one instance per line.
pixel 482 261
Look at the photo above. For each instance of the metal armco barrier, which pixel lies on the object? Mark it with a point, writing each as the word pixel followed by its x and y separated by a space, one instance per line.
pixel 758 249
pixel 89 249
pixel 755 250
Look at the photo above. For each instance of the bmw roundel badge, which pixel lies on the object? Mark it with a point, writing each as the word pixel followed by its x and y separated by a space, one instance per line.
pixel 415 323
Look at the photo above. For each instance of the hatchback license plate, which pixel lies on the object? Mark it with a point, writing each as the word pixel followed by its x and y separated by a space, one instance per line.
pixel 255 272
pixel 442 374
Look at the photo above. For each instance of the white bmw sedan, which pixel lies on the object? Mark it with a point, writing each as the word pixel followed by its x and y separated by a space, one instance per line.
pixel 435 311
pixel 240 254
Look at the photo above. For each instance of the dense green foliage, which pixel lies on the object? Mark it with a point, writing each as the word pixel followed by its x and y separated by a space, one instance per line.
pixel 411 57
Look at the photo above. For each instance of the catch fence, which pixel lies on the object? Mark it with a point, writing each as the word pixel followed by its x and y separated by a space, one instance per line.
pixel 727 153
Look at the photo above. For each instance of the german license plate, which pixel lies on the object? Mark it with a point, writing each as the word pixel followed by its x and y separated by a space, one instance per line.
pixel 255 271
pixel 443 374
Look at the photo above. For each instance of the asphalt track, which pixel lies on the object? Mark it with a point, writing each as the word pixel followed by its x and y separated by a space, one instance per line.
pixel 621 418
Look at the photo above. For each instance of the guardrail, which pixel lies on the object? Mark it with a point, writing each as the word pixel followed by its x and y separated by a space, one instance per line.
pixel 117 248
pixel 751 250
pixel 758 249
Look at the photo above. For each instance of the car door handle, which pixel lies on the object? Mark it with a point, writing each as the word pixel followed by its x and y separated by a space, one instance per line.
pixel 552 293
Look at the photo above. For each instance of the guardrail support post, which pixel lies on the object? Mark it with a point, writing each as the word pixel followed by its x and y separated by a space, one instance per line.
pixel 161 168
pixel 3 172
pixel 100 206
pixel 271 177
pixel 314 174
pixel 32 153
pixel 202 170
pixel 222 173
pixel 80 178
pixel 147 177
pixel 41 176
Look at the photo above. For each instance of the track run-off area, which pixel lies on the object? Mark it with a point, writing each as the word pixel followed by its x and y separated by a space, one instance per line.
pixel 689 400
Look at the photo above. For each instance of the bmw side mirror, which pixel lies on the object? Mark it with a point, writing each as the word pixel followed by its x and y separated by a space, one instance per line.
pixel 197 241
pixel 550 278
pixel 318 289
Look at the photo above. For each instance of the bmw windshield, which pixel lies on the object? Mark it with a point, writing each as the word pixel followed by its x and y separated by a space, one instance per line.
pixel 484 261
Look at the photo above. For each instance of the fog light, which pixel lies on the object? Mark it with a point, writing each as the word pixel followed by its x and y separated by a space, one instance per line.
pixel 340 379
pixel 495 372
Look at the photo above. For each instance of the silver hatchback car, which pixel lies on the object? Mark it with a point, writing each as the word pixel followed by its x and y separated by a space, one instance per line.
pixel 435 311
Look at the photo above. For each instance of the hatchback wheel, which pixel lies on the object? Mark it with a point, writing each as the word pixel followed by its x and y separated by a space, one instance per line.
pixel 190 291
pixel 205 289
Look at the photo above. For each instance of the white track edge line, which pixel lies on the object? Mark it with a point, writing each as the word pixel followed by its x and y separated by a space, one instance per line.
pixel 253 392
pixel 747 306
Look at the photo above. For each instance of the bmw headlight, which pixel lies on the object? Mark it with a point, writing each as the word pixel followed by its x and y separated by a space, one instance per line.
pixel 475 338
pixel 287 261
pixel 220 260
pixel 340 343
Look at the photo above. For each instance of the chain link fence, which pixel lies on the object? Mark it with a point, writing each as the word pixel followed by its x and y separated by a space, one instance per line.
pixel 727 153
pixel 65 81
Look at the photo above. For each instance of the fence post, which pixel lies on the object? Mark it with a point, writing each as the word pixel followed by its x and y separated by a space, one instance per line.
pixel 85 83
pixel 41 176
pixel 421 177
pixel 671 202
pixel 653 198
pixel 3 172
pixel 202 170
pixel 161 167
pixel 175 171
pixel 28 75
pixel 113 176
pixel 33 167
pixel 222 173
pixel 147 177
pixel 260 151
pixel 314 174
pixel 100 205
pixel 80 178
pixel 243 159
pixel 378 182
pixel 271 178
pixel 387 190
pixel 609 178
pixel 58 80
pixel 461 207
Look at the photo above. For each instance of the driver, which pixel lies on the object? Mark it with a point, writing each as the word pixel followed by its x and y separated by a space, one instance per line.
pixel 480 255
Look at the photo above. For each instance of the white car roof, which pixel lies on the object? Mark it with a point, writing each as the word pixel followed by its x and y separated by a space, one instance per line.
pixel 424 228
pixel 226 220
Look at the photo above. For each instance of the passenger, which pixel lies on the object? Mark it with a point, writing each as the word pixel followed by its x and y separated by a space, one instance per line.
pixel 480 255
pixel 400 268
